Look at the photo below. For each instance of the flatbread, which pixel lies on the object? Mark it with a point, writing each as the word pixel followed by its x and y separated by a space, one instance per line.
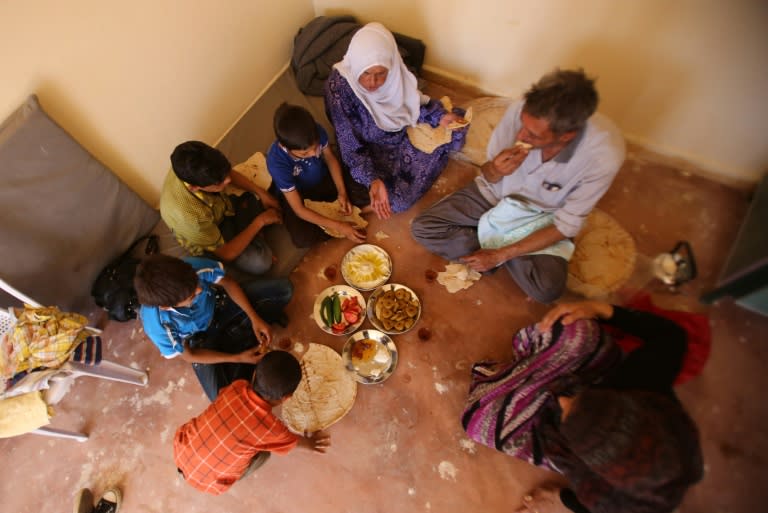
pixel 332 210
pixel 426 138
pixel 457 277
pixel 325 394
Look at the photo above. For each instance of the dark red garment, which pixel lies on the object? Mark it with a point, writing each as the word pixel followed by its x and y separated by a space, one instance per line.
pixel 695 325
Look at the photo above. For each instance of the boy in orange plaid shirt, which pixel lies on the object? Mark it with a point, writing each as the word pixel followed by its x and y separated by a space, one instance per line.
pixel 238 431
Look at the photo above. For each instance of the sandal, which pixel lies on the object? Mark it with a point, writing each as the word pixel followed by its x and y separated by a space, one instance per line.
pixel 109 502
pixel 83 501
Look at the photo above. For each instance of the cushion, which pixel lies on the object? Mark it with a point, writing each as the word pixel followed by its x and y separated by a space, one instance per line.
pixel 604 258
pixel 255 169
pixel 65 215
pixel 486 114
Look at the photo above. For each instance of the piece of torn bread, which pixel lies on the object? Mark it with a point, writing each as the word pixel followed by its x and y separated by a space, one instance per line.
pixel 426 138
pixel 332 210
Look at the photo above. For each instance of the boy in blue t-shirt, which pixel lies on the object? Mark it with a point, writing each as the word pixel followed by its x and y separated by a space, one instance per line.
pixel 191 309
pixel 303 166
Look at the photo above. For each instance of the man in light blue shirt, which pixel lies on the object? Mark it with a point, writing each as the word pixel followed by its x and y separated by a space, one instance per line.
pixel 550 159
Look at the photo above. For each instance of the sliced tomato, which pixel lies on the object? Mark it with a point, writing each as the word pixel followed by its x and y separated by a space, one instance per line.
pixel 352 305
pixel 339 327
pixel 351 316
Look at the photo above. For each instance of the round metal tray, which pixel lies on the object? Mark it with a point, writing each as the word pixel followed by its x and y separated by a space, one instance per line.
pixel 366 258
pixel 381 365
pixel 376 296
pixel 344 292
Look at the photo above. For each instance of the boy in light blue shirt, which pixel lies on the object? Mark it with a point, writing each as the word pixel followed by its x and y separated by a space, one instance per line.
pixel 190 308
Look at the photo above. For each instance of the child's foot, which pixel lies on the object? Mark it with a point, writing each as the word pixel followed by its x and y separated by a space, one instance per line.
pixel 83 501
pixel 109 502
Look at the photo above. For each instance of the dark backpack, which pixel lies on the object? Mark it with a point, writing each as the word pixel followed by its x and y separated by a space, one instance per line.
pixel 113 289
pixel 323 42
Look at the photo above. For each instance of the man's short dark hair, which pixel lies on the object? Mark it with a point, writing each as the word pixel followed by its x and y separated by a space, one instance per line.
pixel 565 98
pixel 277 375
pixel 199 164
pixel 295 128
pixel 163 280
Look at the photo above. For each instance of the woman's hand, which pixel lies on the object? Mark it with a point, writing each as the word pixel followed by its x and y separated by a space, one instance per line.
pixel 571 312
pixel 380 199
pixel 448 118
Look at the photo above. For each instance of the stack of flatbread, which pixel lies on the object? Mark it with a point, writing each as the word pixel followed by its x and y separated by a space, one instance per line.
pixel 426 138
pixel 332 210
pixel 325 394
pixel 457 277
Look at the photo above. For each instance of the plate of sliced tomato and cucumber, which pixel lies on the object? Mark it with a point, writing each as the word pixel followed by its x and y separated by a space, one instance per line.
pixel 339 310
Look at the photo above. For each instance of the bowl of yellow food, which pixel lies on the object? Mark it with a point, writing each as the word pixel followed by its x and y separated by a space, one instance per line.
pixel 366 266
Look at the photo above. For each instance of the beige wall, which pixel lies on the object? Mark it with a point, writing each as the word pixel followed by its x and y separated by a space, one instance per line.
pixel 687 77
pixel 130 80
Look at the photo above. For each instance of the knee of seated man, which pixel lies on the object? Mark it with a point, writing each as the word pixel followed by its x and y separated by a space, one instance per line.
pixel 542 288
pixel 420 227
pixel 547 295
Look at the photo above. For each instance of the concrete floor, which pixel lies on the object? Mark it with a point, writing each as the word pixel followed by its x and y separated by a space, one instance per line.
pixel 401 448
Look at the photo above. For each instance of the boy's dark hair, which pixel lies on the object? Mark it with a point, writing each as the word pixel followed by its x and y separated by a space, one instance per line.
pixel 295 128
pixel 277 375
pixel 199 164
pixel 565 98
pixel 163 280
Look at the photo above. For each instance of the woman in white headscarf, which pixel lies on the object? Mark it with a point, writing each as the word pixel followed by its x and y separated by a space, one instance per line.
pixel 371 98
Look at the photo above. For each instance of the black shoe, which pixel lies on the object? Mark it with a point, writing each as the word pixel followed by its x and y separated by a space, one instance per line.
pixel 83 501
pixel 109 502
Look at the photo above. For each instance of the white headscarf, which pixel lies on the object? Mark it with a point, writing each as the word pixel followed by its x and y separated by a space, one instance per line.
pixel 395 104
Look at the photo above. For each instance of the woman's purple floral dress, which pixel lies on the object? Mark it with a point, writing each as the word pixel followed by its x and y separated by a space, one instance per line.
pixel 370 152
